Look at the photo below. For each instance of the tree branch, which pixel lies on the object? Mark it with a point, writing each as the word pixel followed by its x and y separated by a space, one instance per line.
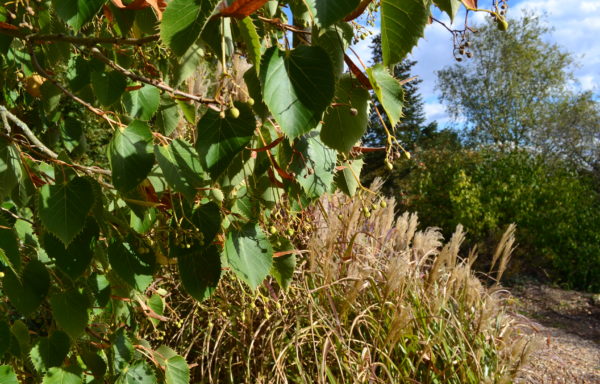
pixel 86 41
pixel 47 151
pixel 87 105
pixel 212 103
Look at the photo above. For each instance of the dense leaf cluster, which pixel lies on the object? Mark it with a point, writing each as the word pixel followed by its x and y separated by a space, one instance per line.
pixel 143 135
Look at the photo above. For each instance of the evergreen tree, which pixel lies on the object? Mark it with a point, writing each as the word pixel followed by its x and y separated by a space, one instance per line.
pixel 412 130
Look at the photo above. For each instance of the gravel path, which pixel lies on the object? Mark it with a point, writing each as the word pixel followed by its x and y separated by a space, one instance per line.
pixel 567 325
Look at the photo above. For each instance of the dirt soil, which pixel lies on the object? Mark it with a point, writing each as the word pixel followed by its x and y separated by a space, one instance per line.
pixel 567 324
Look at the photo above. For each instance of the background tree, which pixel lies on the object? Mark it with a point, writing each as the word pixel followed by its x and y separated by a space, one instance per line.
pixel 511 87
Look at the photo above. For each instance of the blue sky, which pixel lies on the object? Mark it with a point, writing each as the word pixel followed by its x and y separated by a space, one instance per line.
pixel 576 26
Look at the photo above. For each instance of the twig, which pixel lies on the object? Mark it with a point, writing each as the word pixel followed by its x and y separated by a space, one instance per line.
pixel 90 107
pixel 30 135
pixel 212 103
pixel 281 25
pixel 86 41
pixel 47 151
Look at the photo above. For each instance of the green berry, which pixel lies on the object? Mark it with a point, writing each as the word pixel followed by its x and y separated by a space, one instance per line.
pixel 234 113
pixel 272 230
pixel 290 232
pixel 251 102
pixel 1 275
pixel 383 204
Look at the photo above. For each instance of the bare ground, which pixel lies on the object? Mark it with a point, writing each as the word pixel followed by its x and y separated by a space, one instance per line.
pixel 567 324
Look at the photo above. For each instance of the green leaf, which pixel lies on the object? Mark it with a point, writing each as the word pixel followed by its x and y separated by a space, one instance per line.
pixel 451 7
pixel 183 21
pixel 389 92
pixel 168 116
pixel 69 375
pixel 312 162
pixel 70 311
pixel 345 123
pixel 348 179
pixel 249 254
pixel 181 167
pixel 200 271
pixel 142 103
pixel 188 64
pixel 63 208
pixel 130 266
pixel 50 351
pixel 10 167
pixel 108 86
pixel 27 292
pixel 94 362
pixel 122 350
pixel 5 337
pixel 9 247
pixel 283 270
pixel 219 140
pixel 8 375
pixel 20 344
pixel 72 134
pixel 77 13
pixel 74 259
pixel 335 40
pixel 297 87
pixel 155 303
pixel 402 24
pixel 327 12
pixel 177 371
pixel 207 218
pixel 138 373
pixel 252 41
pixel 131 156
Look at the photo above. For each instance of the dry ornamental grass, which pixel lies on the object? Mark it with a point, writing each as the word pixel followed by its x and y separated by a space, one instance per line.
pixel 375 300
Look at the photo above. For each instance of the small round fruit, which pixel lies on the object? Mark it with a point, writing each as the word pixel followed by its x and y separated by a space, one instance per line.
pixel 1 275
pixel 234 113
pixel 222 114
pixel 272 230
pixel 251 102
pixel 290 232
pixel 389 165
pixel 368 214
pixel 340 216
pixel 383 204
pixel 33 85
pixel 374 207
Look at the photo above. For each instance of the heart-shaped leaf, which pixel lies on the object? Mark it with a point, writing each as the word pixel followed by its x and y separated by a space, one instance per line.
pixel 249 254
pixel 200 271
pixel 63 208
pixel 220 139
pixel 74 259
pixel 346 122
pixel 131 156
pixel 50 351
pixel 297 87
pixel 27 292
pixel 389 92
pixel 70 312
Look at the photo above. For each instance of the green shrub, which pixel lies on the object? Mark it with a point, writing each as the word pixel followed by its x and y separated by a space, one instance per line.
pixel 555 208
